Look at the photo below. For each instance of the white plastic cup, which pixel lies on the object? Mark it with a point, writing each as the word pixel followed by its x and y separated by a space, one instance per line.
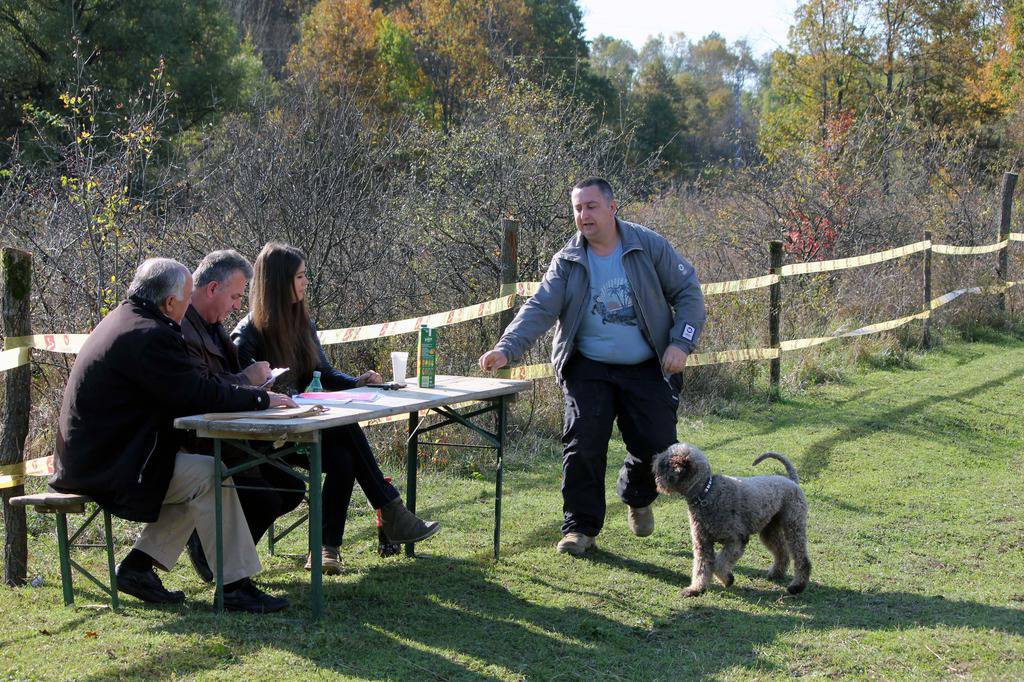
pixel 399 364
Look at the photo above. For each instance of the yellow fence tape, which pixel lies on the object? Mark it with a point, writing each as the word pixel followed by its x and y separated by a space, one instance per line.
pixel 711 289
pixel 405 415
pixel 55 343
pixel 527 372
pixel 376 331
pixel 715 288
pixel 853 261
pixel 952 295
pixel 15 474
pixel 725 356
pixel 796 344
pixel 16 353
pixel 519 288
pixel 950 250
pixel 14 357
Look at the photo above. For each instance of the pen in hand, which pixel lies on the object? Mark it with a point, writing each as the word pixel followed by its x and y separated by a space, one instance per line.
pixel 258 373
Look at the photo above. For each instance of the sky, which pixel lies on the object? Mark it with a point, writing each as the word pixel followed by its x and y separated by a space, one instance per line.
pixel 764 23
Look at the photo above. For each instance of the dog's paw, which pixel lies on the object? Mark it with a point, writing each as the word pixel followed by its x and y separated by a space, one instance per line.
pixel 796 588
pixel 693 591
pixel 729 580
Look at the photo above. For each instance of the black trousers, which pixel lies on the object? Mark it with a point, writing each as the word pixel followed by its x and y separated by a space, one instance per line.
pixel 346 458
pixel 596 395
pixel 261 507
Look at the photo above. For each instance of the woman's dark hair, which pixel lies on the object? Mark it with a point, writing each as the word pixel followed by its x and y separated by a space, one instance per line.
pixel 281 321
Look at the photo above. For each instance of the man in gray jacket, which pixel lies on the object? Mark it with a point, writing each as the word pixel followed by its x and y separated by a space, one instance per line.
pixel 628 311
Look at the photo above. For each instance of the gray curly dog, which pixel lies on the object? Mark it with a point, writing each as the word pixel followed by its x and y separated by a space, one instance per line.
pixel 729 510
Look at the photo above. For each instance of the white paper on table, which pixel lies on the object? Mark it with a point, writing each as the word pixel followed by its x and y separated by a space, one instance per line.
pixel 362 397
pixel 274 374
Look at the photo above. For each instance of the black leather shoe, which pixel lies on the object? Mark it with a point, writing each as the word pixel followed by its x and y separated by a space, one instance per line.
pixel 247 597
pixel 198 558
pixel 146 585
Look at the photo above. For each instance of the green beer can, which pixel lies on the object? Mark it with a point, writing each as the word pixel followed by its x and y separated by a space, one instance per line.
pixel 426 355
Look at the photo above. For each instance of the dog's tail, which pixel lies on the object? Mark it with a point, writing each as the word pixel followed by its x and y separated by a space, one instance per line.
pixel 790 469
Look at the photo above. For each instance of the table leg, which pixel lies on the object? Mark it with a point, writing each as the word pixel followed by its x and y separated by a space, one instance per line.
pixel 411 461
pixel 315 531
pixel 64 555
pixel 108 539
pixel 218 515
pixel 501 419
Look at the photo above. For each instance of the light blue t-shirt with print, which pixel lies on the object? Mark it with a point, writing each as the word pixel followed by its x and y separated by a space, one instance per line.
pixel 610 331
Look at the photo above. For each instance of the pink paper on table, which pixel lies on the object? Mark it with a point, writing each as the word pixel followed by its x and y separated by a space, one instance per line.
pixel 350 396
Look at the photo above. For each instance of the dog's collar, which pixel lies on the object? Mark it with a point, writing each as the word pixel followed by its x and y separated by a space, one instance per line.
pixel 702 497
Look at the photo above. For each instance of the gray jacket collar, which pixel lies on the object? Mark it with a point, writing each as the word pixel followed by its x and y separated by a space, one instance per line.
pixel 575 248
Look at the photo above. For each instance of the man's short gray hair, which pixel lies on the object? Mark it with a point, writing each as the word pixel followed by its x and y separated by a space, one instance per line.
pixel 218 266
pixel 157 279
pixel 599 183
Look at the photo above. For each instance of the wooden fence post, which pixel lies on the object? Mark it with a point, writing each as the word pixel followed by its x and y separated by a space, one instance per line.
pixel 774 317
pixel 15 293
pixel 1005 209
pixel 926 334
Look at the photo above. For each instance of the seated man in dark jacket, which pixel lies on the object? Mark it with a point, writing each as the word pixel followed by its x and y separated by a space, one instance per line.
pixel 117 444
pixel 220 280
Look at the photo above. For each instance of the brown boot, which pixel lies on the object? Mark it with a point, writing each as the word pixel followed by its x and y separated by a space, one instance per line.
pixel 401 525
pixel 330 561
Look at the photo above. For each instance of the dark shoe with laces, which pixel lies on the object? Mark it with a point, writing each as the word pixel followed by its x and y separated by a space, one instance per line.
pixel 250 599
pixel 198 558
pixel 146 585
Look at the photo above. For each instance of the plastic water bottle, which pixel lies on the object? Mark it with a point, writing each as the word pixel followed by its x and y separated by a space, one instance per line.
pixel 315 386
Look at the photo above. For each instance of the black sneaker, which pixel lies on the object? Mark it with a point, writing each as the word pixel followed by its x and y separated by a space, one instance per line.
pixel 198 558
pixel 146 585
pixel 249 598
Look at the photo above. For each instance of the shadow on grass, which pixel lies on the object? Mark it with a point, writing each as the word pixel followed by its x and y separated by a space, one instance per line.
pixel 853 420
pixel 818 455
pixel 433 618
pixel 449 619
pixel 67 627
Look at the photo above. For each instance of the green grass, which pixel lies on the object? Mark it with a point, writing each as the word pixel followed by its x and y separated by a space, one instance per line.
pixel 914 479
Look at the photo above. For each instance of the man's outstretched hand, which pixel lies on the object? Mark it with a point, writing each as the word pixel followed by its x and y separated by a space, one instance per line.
pixel 493 360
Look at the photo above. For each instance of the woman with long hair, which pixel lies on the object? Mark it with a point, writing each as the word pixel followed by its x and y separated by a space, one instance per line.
pixel 278 329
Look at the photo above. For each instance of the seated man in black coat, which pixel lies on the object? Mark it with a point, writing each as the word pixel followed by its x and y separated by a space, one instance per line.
pixel 117 444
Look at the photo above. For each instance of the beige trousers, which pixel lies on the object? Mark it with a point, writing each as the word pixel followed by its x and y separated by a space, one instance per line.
pixel 190 504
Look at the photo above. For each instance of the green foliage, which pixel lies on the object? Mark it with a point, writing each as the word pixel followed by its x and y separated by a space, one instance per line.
pixel 688 101
pixel 616 60
pixel 937 61
pixel 658 131
pixel 47 48
pixel 91 174
pixel 408 89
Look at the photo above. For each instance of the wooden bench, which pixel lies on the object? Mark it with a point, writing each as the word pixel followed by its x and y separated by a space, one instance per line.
pixel 62 504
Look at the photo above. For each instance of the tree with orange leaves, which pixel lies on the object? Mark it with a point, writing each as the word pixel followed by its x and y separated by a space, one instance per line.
pixel 422 56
